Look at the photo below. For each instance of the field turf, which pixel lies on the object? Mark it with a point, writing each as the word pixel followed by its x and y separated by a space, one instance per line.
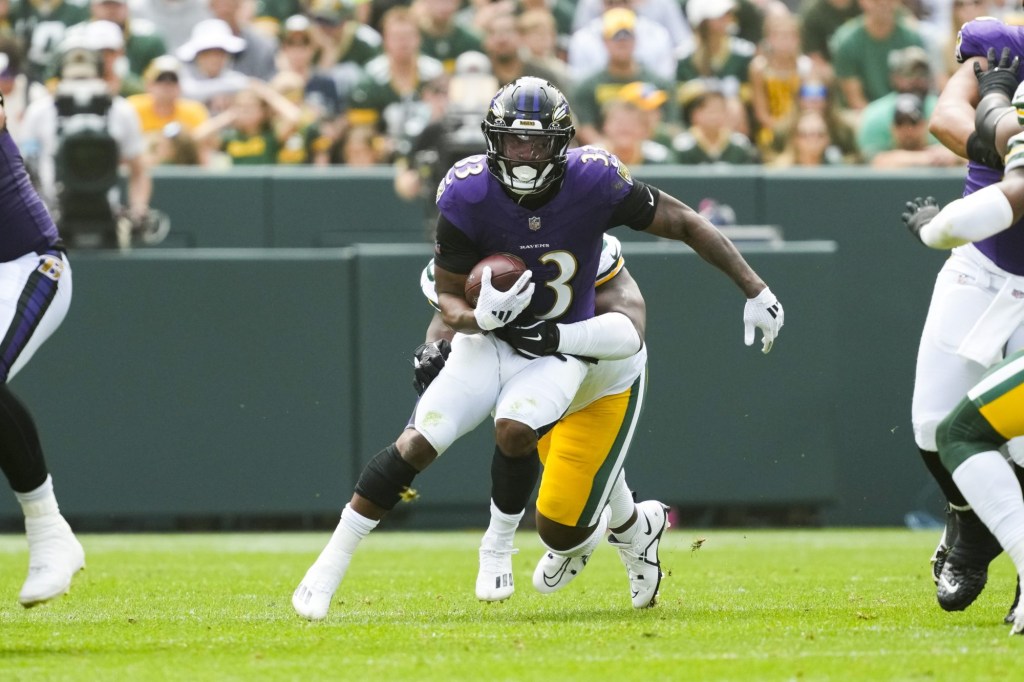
pixel 747 605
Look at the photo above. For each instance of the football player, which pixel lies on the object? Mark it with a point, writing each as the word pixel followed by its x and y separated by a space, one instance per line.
pixel 958 342
pixel 35 291
pixel 533 197
pixel 992 411
pixel 589 445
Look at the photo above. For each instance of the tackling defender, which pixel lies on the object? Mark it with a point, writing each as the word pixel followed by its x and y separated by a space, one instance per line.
pixel 533 197
pixel 957 344
pixel 992 411
pixel 35 291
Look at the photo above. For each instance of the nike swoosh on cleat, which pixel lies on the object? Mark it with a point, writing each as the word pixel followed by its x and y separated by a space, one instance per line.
pixel 944 584
pixel 532 338
pixel 552 580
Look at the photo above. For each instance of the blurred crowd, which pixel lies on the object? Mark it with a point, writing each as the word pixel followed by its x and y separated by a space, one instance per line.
pixel 405 82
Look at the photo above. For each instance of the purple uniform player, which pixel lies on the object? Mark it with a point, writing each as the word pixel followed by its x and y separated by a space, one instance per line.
pixel 560 241
pixel 35 290
pixel 532 197
pixel 971 321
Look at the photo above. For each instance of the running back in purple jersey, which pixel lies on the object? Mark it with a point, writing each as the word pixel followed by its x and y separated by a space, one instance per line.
pixel 560 241
pixel 976 38
pixel 25 224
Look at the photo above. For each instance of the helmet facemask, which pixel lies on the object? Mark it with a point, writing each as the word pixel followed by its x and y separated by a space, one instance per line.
pixel 528 129
pixel 527 162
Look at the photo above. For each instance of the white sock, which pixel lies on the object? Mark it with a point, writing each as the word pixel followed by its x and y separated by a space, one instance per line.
pixel 352 528
pixel 501 530
pixel 620 502
pixel 989 484
pixel 39 502
pixel 590 544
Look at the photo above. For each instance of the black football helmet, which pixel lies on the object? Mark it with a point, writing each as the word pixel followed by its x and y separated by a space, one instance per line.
pixel 528 129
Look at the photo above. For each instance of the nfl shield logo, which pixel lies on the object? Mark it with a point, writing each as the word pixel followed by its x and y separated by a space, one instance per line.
pixel 534 223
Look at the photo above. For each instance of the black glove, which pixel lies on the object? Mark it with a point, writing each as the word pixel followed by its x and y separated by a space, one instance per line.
pixel 427 362
pixel 919 213
pixel 985 154
pixel 1001 76
pixel 531 340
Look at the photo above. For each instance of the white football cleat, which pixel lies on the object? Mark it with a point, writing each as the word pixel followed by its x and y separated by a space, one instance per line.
pixel 54 557
pixel 640 557
pixel 1018 621
pixel 312 598
pixel 494 581
pixel 555 571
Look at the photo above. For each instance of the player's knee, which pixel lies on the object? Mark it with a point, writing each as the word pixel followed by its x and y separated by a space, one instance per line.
pixel 415 449
pixel 559 537
pixel 515 439
pixel 385 478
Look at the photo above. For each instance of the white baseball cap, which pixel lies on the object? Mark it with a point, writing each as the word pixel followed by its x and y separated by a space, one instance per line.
pixel 104 35
pixel 210 34
pixel 697 11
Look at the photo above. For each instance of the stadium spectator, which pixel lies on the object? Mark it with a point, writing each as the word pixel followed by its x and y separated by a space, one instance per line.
pixel 622 69
pixel 776 73
pixel 107 37
pixel 310 142
pixel 667 13
pixel 819 20
pixel 360 147
pixel 15 86
pixel 626 132
pixel 910 73
pixel 174 19
pixel 174 146
pixel 254 128
pixel 561 11
pixel 718 55
pixel 860 50
pixel 209 77
pixel 538 33
pixel 817 95
pixel 708 138
pixel 911 146
pixel 162 106
pixel 275 12
pixel 142 41
pixel 441 37
pixel 35 292
pixel 343 44
pixel 256 58
pixel 807 143
pixel 654 49
pixel 296 55
pixel 502 46
pixel 42 26
pixel 388 95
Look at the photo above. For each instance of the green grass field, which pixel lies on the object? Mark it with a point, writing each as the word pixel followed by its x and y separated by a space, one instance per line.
pixel 748 605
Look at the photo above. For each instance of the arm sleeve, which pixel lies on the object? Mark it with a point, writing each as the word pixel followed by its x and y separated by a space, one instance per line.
pixel 636 210
pixel 972 218
pixel 610 336
pixel 453 250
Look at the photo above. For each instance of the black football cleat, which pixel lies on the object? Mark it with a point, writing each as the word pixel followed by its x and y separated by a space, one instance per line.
pixel 965 569
pixel 945 542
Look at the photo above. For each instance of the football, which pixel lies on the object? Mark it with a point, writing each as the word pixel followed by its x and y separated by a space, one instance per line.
pixel 506 270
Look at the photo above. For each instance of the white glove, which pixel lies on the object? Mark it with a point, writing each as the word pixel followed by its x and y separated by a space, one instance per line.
pixel 765 313
pixel 497 308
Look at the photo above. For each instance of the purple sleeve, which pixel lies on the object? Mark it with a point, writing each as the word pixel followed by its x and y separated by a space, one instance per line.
pixel 978 36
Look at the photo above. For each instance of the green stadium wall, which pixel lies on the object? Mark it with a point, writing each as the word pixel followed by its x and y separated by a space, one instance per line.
pixel 243 373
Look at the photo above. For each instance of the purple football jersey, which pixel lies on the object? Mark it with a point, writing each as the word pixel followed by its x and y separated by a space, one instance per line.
pixel 25 224
pixel 1005 249
pixel 560 241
